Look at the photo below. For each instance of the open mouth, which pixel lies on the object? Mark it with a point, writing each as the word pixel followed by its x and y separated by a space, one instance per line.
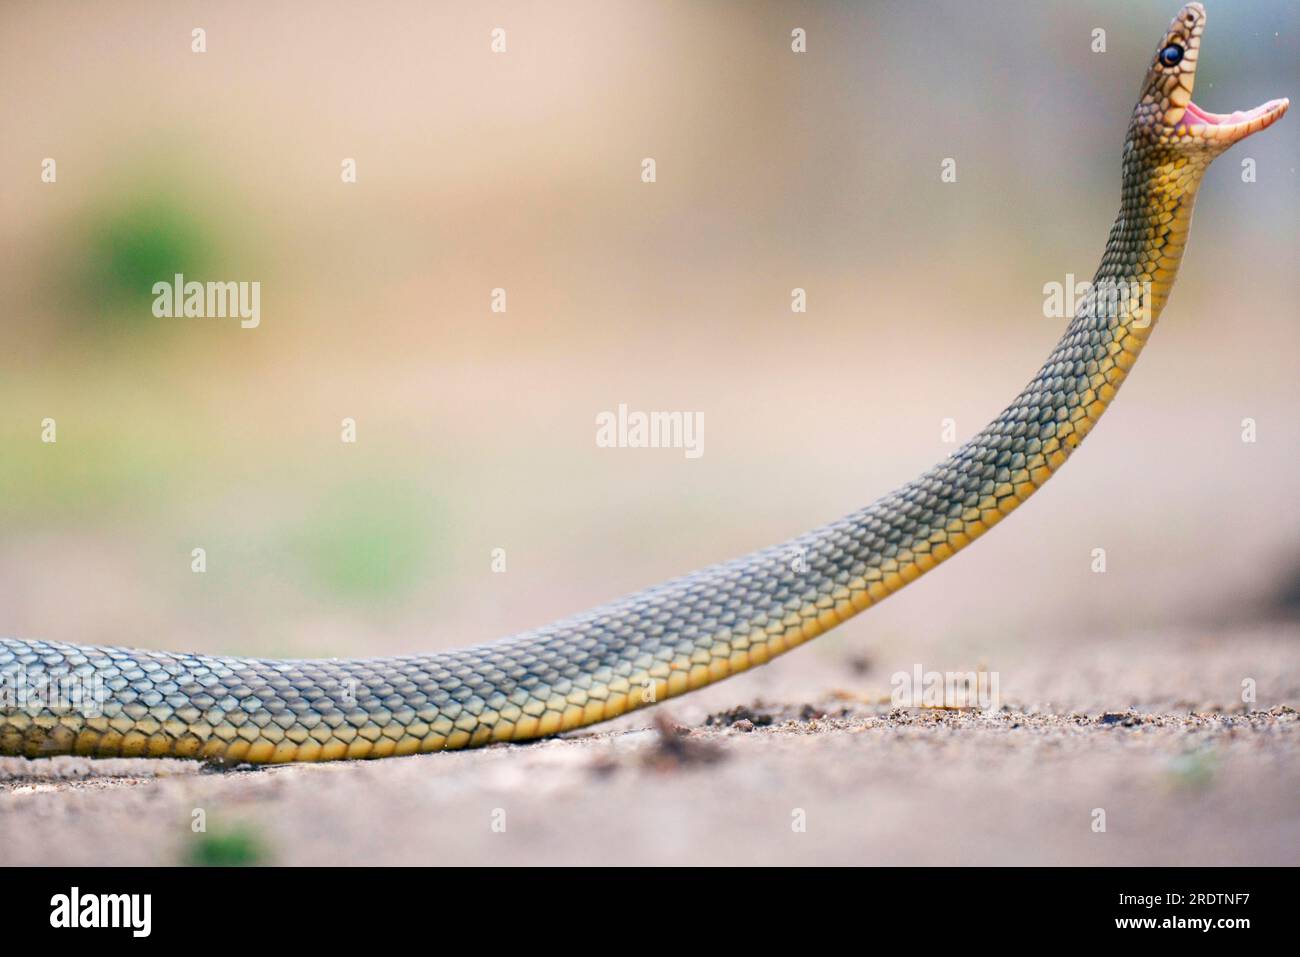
pixel 1236 125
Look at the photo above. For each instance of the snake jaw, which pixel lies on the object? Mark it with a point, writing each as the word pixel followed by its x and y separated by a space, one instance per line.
pixel 1224 129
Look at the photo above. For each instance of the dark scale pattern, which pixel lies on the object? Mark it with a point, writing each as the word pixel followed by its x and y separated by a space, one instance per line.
pixel 674 637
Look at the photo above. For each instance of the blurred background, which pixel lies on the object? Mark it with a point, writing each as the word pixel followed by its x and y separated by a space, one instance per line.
pixel 522 170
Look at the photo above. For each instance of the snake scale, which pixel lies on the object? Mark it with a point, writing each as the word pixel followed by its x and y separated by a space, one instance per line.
pixel 691 631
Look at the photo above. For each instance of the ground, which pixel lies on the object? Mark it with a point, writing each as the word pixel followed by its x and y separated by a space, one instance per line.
pixel 759 771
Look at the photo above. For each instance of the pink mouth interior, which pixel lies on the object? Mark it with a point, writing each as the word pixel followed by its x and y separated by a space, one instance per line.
pixel 1195 116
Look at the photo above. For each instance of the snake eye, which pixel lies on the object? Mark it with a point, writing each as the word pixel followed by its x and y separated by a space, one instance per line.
pixel 1171 55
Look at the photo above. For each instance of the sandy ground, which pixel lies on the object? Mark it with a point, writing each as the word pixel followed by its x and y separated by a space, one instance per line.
pixel 763 769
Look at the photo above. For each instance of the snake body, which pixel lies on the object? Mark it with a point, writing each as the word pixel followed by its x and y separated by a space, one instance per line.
pixel 691 631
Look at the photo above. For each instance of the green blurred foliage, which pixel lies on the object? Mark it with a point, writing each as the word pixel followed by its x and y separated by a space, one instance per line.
pixel 95 466
pixel 235 847
pixel 369 541
pixel 128 244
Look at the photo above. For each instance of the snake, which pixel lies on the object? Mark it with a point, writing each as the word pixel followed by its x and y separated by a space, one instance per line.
pixel 59 698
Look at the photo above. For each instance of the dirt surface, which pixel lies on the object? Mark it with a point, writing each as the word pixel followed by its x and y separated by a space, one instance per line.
pixel 836 777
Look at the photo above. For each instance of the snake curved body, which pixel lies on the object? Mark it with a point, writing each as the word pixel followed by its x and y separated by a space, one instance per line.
pixel 691 631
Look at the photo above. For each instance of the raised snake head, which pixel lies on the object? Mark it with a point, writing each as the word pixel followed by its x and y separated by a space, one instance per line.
pixel 1165 115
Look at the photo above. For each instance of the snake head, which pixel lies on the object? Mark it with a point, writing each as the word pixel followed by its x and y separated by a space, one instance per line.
pixel 1166 115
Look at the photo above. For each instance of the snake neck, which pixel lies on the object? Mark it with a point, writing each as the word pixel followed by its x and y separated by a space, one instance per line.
pixel 1129 290
pixel 1146 243
pixel 914 528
